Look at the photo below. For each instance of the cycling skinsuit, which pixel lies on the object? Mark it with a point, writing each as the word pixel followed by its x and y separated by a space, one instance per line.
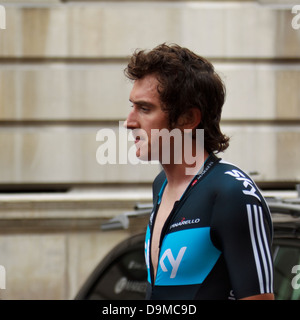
pixel 216 241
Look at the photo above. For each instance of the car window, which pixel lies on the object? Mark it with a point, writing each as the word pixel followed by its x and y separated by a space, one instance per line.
pixel 286 272
pixel 124 278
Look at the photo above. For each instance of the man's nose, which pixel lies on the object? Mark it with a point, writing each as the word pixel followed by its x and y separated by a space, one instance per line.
pixel 131 122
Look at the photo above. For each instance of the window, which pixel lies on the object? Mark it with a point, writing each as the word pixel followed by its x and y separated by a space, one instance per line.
pixel 286 256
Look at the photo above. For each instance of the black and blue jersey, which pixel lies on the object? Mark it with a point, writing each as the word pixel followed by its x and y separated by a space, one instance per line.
pixel 216 241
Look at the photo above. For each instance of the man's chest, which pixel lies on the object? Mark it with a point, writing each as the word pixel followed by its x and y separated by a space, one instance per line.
pixel 181 244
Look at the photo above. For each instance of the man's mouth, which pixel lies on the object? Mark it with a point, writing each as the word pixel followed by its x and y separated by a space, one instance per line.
pixel 139 137
pixel 137 140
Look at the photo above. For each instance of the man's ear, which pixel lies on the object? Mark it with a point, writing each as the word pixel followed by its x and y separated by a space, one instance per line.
pixel 190 119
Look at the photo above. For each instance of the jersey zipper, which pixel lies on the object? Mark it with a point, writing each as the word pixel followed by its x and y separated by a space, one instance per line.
pixel 163 233
pixel 150 245
pixel 155 209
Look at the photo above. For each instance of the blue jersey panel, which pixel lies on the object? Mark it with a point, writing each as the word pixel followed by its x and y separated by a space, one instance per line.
pixel 147 253
pixel 186 257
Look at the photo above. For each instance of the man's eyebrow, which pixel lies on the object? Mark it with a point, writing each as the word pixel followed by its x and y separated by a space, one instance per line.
pixel 142 103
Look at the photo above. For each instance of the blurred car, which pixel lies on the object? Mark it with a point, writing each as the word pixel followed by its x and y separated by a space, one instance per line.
pixel 286 249
pixel 122 274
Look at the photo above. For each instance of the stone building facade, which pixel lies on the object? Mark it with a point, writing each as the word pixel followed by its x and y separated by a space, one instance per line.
pixel 61 81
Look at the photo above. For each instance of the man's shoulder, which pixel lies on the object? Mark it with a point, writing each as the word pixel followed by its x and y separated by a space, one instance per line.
pixel 226 171
pixel 234 181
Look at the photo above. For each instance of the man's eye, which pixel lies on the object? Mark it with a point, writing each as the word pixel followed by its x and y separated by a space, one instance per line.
pixel 144 109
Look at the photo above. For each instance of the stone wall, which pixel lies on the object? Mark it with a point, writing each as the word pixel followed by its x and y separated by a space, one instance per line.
pixel 50 243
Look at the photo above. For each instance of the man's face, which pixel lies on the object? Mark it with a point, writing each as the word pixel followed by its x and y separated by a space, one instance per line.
pixel 146 114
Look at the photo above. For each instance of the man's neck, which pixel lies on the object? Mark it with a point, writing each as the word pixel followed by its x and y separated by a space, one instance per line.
pixel 177 173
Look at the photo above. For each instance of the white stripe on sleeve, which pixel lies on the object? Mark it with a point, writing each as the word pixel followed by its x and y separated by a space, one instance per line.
pixel 260 248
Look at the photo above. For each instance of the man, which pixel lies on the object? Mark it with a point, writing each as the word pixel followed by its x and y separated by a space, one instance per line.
pixel 210 232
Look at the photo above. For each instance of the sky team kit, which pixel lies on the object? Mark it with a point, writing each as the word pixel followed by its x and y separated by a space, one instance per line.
pixel 216 242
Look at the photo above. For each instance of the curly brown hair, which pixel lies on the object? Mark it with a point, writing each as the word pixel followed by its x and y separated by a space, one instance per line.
pixel 186 80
